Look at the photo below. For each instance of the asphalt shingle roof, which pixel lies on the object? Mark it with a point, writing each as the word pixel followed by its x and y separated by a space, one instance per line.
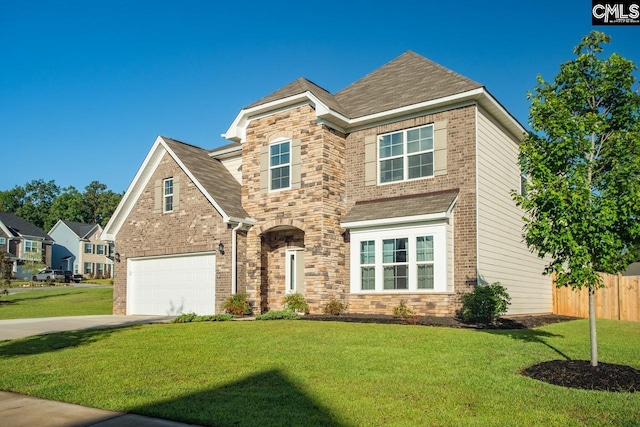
pixel 81 229
pixel 20 227
pixel 402 206
pixel 409 79
pixel 212 175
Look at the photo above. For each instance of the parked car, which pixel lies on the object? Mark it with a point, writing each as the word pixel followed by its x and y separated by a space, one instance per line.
pixel 77 278
pixel 48 275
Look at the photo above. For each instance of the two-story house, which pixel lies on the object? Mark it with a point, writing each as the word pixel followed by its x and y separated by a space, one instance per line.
pixel 396 188
pixel 79 248
pixel 25 243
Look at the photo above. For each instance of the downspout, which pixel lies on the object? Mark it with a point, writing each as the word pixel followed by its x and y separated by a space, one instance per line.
pixel 234 258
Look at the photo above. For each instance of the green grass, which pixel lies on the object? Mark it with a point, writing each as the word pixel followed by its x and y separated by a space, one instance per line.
pixel 56 302
pixel 324 373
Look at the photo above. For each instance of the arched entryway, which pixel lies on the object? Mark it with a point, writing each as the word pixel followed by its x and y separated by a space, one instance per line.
pixel 281 265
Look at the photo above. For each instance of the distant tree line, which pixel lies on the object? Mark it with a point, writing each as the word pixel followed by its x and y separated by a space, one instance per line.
pixel 44 203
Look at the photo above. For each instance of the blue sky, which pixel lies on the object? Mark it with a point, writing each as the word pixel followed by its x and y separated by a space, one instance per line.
pixel 85 86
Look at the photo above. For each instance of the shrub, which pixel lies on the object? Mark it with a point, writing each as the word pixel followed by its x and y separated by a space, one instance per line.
pixel 296 302
pixel 402 310
pixel 335 307
pixel 237 304
pixel 192 317
pixel 278 315
pixel 485 303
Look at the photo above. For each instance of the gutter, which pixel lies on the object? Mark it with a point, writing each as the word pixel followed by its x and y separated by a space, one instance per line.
pixel 234 258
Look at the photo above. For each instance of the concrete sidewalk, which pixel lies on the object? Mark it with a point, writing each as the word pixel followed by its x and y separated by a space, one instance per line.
pixel 22 328
pixel 17 410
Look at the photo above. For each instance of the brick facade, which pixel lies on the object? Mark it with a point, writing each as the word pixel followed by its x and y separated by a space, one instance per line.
pixel 306 217
pixel 194 227
pixel 333 180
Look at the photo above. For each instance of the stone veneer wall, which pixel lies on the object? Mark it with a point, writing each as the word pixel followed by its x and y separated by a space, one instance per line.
pixel 461 174
pixel 315 208
pixel 194 227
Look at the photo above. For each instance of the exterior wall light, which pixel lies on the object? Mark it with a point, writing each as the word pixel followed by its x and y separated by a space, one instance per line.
pixel 221 248
pixel 116 257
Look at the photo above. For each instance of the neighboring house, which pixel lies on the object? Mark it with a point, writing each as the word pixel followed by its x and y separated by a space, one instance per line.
pixel 78 248
pixel 396 188
pixel 25 243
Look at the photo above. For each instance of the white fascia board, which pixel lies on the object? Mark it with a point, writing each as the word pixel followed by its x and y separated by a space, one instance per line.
pixel 247 222
pixel 6 230
pixel 399 220
pixel 136 187
pixel 193 179
pixel 225 154
pixel 237 130
pixel 489 103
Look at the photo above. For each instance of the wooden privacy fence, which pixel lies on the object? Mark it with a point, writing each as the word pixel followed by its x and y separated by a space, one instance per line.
pixel 619 299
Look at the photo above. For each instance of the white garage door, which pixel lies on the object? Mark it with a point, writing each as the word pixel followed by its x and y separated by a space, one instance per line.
pixel 172 285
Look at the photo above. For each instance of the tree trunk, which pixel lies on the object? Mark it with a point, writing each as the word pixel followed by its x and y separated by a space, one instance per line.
pixel 592 326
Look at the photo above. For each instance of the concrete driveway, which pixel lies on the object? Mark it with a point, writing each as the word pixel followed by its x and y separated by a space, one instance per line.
pixel 22 328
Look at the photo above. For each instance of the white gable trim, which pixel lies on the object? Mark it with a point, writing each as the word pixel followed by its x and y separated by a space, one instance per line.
pixel 131 196
pixel 237 130
pixel 140 181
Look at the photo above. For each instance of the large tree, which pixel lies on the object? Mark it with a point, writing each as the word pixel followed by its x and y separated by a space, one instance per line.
pixel 582 164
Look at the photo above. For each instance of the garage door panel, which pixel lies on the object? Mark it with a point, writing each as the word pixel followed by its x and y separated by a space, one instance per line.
pixel 171 285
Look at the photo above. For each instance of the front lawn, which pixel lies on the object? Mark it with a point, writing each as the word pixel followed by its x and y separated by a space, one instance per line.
pixel 66 301
pixel 324 373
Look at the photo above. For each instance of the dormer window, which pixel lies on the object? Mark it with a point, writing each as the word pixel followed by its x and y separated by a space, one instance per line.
pixel 280 165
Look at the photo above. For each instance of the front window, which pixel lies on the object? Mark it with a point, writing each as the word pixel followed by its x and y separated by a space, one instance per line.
pixel 88 268
pixel 88 248
pixel 280 165
pixel 31 246
pixel 168 195
pixel 405 259
pixel 395 263
pixel 368 265
pixel 424 261
pixel 100 268
pixel 406 155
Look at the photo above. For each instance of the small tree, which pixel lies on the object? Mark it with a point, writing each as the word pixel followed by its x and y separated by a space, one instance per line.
pixel 582 163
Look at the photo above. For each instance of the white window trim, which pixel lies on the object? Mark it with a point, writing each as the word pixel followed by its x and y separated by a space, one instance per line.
pixel 3 241
pixel 36 243
pixel 289 165
pixel 405 156
pixel 437 230
pixel 166 196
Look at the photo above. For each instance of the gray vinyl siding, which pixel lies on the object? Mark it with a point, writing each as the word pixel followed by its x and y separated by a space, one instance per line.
pixel 502 255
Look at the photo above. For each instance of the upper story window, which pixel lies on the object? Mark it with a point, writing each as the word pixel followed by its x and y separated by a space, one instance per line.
pixel 88 248
pixel 405 155
pixel 167 205
pixel 31 246
pixel 3 241
pixel 100 249
pixel 280 165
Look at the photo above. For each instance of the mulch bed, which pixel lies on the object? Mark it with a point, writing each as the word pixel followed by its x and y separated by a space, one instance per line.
pixel 566 373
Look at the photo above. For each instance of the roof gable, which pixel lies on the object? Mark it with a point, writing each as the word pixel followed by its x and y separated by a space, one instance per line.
pixel 209 175
pixel 408 85
pixel 80 229
pixel 409 79
pixel 19 227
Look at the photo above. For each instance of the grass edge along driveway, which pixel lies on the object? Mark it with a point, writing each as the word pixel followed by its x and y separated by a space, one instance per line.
pixel 324 373
pixel 55 302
